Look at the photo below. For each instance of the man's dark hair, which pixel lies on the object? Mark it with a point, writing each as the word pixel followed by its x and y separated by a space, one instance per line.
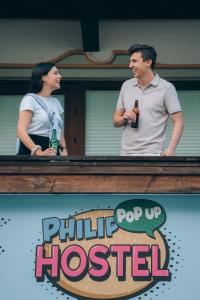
pixel 147 52
pixel 39 70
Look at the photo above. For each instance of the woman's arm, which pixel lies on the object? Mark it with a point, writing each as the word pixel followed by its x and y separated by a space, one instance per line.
pixel 22 126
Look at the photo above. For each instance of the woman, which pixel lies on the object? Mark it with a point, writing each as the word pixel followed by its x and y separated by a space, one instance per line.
pixel 39 114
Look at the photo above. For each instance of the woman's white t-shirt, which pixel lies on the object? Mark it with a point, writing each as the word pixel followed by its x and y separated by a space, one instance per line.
pixel 40 124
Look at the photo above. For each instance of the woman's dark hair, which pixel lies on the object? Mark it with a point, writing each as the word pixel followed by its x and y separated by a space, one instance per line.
pixel 147 52
pixel 39 70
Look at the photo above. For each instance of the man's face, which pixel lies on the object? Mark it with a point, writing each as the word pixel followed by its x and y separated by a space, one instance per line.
pixel 138 66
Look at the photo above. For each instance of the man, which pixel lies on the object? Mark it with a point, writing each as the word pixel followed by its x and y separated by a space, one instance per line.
pixel 157 100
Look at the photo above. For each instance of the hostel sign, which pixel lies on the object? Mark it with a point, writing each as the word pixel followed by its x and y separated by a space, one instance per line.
pixel 105 253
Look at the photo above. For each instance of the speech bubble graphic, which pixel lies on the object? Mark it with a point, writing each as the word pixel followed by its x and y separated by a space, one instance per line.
pixel 140 215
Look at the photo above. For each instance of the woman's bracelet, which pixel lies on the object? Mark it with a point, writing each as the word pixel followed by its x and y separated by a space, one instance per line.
pixel 35 149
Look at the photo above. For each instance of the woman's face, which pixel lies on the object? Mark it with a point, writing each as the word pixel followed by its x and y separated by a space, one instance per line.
pixel 52 79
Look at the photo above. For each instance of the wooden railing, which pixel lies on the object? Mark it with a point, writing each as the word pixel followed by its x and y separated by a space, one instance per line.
pixel 100 174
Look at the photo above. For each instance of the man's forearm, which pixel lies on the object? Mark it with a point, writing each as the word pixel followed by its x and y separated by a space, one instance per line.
pixel 176 134
pixel 174 141
pixel 119 121
pixel 177 131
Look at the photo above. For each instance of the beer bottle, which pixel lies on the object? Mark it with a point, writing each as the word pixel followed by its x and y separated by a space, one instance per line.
pixel 54 141
pixel 134 123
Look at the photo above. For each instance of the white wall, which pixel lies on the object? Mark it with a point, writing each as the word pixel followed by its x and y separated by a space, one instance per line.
pixel 176 41
pixel 31 41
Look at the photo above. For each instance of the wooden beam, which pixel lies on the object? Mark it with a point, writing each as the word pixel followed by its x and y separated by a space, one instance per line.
pixel 90 34
pixel 26 174
pixel 75 119
pixel 99 184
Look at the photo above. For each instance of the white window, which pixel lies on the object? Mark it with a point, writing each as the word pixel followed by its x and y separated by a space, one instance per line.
pixel 103 139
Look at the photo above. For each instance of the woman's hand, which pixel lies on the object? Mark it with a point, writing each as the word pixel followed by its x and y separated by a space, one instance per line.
pixel 47 152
